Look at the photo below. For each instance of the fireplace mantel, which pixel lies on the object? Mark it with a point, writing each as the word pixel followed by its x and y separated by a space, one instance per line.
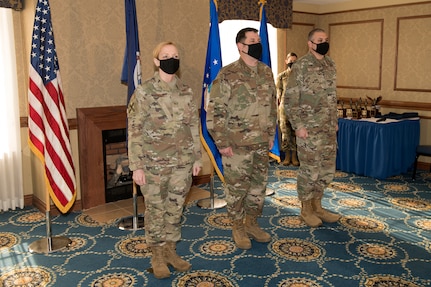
pixel 91 123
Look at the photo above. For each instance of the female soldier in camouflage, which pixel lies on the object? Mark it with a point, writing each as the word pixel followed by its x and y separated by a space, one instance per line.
pixel 164 152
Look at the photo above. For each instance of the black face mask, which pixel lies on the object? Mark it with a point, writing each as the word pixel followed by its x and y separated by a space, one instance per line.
pixel 255 50
pixel 170 66
pixel 321 48
pixel 289 65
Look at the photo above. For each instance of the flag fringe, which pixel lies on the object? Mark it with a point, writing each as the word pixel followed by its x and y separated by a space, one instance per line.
pixel 211 156
pixel 276 157
pixel 62 208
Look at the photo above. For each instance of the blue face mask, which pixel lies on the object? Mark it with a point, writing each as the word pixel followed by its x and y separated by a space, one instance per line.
pixel 170 66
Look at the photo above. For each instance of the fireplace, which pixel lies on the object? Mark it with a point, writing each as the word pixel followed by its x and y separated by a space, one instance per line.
pixel 118 177
pixel 92 123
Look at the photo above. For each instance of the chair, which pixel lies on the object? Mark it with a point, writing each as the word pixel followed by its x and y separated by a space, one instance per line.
pixel 424 150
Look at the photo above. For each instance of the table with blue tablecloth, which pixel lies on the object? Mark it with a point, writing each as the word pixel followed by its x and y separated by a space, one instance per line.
pixel 377 149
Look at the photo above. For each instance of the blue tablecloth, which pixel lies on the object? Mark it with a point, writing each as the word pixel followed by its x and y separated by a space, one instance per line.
pixel 378 150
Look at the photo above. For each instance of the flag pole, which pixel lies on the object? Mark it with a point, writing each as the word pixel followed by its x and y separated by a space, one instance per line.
pixel 212 66
pixel 211 202
pixel 132 76
pixel 49 129
pixel 266 58
pixel 49 244
pixel 135 221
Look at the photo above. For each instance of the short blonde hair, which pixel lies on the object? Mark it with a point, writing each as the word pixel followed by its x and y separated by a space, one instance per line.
pixel 157 50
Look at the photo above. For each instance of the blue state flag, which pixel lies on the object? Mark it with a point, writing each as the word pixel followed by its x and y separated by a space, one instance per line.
pixel 266 58
pixel 213 65
pixel 131 73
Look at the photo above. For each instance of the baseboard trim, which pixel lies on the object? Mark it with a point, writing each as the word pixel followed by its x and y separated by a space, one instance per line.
pixel 424 166
pixel 201 179
pixel 39 204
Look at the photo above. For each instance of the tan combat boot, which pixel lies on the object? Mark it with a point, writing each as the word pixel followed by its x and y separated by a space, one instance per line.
pixel 239 236
pixel 172 258
pixel 160 267
pixel 253 229
pixel 323 214
pixel 295 161
pixel 308 215
pixel 286 160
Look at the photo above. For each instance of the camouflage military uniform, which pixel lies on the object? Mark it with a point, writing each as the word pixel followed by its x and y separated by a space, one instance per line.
pixel 163 140
pixel 288 138
pixel 311 102
pixel 242 115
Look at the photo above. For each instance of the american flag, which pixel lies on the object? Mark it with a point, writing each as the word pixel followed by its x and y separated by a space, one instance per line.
pixel 47 122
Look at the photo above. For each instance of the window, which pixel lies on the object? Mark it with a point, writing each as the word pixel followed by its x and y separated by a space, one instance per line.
pixel 11 190
pixel 229 51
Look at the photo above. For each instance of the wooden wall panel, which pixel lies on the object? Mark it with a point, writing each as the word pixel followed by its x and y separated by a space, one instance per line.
pixel 412 63
pixel 356 48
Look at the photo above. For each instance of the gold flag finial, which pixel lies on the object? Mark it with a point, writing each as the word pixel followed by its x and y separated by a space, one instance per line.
pixel 261 3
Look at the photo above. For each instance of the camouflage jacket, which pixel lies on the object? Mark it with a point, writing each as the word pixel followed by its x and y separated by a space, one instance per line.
pixel 310 98
pixel 281 84
pixel 163 125
pixel 242 106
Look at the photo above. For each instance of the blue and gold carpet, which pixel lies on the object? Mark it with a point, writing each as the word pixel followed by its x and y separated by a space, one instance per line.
pixel 383 239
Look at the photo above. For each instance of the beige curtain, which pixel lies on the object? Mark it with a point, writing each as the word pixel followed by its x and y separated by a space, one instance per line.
pixel 278 12
pixel 11 188
pixel 14 4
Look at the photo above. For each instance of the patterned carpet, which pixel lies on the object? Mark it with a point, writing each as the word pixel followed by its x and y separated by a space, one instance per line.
pixel 383 239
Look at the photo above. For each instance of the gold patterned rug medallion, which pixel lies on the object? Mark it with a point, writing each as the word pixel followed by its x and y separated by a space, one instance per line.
pixel 411 203
pixel 362 223
pixel 204 279
pixel 27 277
pixel 220 220
pixel 134 247
pixel 7 240
pixel 296 249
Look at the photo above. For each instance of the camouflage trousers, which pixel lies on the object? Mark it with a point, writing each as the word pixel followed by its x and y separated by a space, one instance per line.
pixel 288 137
pixel 317 156
pixel 246 176
pixel 165 193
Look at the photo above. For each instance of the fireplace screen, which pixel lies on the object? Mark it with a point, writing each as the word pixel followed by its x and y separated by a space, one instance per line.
pixel 118 177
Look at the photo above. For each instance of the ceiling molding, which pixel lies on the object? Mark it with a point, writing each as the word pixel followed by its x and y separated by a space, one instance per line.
pixel 330 6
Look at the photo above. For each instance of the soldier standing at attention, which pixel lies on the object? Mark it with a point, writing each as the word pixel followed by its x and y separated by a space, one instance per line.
pixel 311 105
pixel 288 138
pixel 164 153
pixel 241 118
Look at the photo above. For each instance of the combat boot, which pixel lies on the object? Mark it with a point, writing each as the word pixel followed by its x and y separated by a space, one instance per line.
pixel 160 267
pixel 253 229
pixel 308 215
pixel 295 161
pixel 172 258
pixel 286 160
pixel 323 214
pixel 239 235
